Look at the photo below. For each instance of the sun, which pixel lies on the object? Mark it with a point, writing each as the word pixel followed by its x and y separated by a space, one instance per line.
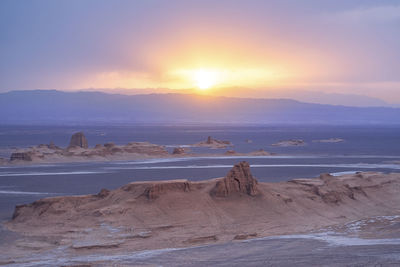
pixel 205 79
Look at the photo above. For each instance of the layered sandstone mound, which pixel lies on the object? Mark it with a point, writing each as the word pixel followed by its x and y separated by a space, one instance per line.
pixel 333 190
pixel 149 215
pixel 239 180
pixel 78 140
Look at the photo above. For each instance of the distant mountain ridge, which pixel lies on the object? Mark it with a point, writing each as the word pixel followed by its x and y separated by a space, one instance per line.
pixel 307 96
pixel 58 107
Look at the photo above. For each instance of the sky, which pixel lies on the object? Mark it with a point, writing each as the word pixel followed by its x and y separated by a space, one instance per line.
pixel 339 46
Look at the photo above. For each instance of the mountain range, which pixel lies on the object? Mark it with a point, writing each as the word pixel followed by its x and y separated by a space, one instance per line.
pixel 59 107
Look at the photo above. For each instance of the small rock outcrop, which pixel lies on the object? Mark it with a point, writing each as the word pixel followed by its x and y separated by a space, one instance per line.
pixel 230 152
pixel 78 140
pixel 21 156
pixel 292 142
pixel 178 151
pixel 213 143
pixel 239 180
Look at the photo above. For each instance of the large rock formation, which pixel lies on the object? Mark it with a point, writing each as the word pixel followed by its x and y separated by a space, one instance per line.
pixel 176 213
pixel 239 180
pixel 78 140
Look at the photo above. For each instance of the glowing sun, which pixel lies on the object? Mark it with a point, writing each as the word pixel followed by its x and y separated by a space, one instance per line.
pixel 205 79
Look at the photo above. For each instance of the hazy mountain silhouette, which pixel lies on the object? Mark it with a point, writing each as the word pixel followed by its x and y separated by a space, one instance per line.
pixel 307 96
pixel 57 107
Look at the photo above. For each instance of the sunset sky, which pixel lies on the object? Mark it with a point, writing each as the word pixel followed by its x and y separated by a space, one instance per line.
pixel 349 46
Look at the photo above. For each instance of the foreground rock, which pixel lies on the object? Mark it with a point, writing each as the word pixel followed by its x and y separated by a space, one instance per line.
pixel 178 213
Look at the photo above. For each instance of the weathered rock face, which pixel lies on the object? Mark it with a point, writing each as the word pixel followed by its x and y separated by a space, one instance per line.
pixel 154 191
pixel 239 180
pixel 24 156
pixel 78 140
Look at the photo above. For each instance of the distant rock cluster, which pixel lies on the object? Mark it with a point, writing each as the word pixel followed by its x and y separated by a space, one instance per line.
pixel 79 149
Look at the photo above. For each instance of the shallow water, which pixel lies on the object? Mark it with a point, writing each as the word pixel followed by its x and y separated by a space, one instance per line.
pixel 364 149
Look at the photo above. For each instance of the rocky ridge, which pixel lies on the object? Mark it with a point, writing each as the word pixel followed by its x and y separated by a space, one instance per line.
pixel 149 215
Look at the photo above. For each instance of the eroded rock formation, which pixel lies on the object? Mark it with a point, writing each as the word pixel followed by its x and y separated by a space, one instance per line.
pixel 78 140
pixel 239 180
pixel 175 213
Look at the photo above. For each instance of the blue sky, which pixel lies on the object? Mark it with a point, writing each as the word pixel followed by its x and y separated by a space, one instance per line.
pixel 330 46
